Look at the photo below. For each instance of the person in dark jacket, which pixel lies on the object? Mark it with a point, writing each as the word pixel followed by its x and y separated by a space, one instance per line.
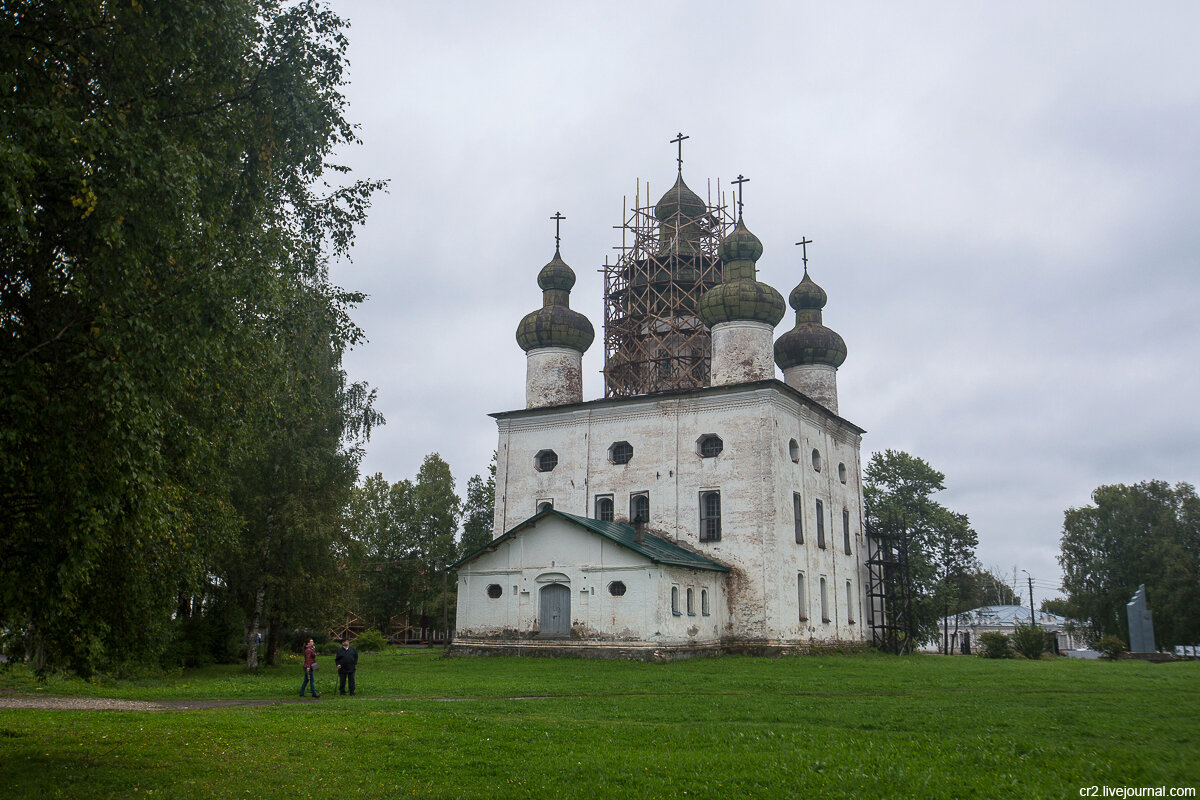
pixel 310 669
pixel 347 661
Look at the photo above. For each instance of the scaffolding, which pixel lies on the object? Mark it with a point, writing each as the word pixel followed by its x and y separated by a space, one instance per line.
pixel 653 339
pixel 889 588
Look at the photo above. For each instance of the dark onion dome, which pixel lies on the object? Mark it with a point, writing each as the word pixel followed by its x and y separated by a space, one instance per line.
pixel 679 199
pixel 555 324
pixel 809 342
pixel 741 296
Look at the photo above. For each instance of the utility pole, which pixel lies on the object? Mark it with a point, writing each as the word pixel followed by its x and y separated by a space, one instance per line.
pixel 1032 621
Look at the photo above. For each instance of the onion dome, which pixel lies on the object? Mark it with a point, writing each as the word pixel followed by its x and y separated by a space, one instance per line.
pixel 555 324
pixel 741 296
pixel 809 342
pixel 681 200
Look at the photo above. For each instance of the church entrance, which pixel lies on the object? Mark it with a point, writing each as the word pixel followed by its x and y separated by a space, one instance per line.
pixel 554 610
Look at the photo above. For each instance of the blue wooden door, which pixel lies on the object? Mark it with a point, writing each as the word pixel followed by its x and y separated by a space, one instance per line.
pixel 554 610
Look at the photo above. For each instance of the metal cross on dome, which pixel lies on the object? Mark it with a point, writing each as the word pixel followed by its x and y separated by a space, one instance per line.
pixel 679 137
pixel 740 180
pixel 558 218
pixel 803 245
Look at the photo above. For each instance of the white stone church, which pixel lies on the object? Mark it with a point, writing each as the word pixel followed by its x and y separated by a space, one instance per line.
pixel 702 505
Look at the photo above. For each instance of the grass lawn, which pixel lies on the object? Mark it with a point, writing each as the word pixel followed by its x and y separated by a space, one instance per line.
pixel 860 726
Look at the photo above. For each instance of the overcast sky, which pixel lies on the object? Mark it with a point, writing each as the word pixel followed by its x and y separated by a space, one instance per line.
pixel 1002 199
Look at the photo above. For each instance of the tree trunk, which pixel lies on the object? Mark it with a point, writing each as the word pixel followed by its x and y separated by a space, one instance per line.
pixel 252 630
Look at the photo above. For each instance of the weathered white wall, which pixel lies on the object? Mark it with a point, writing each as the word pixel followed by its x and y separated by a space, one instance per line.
pixel 555 550
pixel 742 351
pixel 755 474
pixel 553 376
pixel 818 381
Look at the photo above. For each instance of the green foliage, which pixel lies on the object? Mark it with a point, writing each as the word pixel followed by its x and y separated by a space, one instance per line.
pixel 994 644
pixel 897 492
pixel 1111 646
pixel 163 245
pixel 370 642
pixel 840 727
pixel 1029 640
pixel 478 511
pixel 1060 606
pixel 1146 533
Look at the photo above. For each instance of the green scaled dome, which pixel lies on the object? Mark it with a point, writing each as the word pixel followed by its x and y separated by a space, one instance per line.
pixel 555 324
pixel 679 199
pixel 809 342
pixel 741 296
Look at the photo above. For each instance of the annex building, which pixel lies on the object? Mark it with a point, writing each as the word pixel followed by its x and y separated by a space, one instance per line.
pixel 701 505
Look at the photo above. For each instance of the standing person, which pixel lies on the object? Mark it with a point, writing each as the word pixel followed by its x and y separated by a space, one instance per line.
pixel 347 661
pixel 310 669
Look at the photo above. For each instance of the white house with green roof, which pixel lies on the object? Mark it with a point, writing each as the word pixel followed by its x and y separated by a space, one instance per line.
pixel 703 504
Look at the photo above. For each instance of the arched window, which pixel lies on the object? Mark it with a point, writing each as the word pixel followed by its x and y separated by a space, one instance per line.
pixel 691 602
pixel 816 460
pixel 842 473
pixel 545 460
pixel 798 516
pixel 846 529
pixel 710 516
pixel 639 507
pixel 849 603
pixel 794 451
pixel 544 505
pixel 704 602
pixel 820 525
pixel 604 508
pixel 824 606
pixel 675 600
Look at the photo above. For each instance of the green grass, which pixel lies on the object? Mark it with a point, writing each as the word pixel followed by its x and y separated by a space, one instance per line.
pixel 423 726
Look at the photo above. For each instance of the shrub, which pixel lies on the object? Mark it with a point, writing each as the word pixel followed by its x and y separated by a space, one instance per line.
pixel 298 638
pixel 1029 641
pixel 329 648
pixel 995 645
pixel 370 641
pixel 1111 646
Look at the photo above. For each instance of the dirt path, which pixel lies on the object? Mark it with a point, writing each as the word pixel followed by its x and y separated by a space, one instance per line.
pixel 105 704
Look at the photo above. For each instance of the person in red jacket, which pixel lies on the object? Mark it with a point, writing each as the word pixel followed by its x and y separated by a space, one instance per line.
pixel 310 669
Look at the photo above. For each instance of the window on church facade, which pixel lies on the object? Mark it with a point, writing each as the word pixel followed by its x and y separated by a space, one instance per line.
pixel 544 505
pixel 545 460
pixel 639 507
pixel 710 516
pixel 675 601
pixel 620 452
pixel 849 603
pixel 842 473
pixel 798 514
pixel 691 602
pixel 494 590
pixel 617 589
pixel 801 598
pixel 820 525
pixel 704 602
pixel 824 607
pixel 604 508
pixel 846 529
pixel 710 445
pixel 816 460
pixel 794 451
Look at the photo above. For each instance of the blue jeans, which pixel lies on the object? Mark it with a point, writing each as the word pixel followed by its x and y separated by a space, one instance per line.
pixel 310 680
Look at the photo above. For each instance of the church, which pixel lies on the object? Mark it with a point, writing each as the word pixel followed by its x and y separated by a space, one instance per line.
pixel 702 505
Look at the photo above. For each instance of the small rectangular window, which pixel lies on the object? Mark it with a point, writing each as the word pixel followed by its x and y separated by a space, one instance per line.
pixel 824 607
pixel 849 603
pixel 798 513
pixel 846 528
pixel 710 516
pixel 820 525
pixel 800 597
pixel 691 602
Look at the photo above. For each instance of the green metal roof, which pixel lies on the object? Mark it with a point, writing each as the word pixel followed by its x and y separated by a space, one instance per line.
pixel 658 550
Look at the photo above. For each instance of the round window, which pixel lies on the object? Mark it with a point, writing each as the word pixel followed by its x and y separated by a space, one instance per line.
pixel 545 460
pixel 616 589
pixel 494 590
pixel 711 446
pixel 620 452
